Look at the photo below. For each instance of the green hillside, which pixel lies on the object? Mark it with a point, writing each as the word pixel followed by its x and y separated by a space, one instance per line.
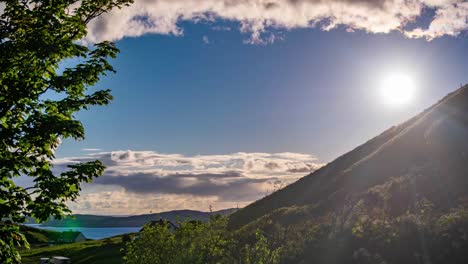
pixel 37 237
pixel 90 252
pixel 430 148
pixel 97 251
pixel 402 197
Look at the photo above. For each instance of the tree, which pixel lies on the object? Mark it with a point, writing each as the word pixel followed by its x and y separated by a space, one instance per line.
pixel 198 243
pixel 192 242
pixel 36 36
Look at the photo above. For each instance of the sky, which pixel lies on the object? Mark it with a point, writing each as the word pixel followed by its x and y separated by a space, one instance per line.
pixel 218 103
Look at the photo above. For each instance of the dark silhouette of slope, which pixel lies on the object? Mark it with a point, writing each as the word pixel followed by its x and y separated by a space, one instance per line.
pixel 81 220
pixel 430 149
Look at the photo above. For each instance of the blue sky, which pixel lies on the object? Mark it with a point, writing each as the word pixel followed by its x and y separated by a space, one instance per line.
pixel 313 92
pixel 216 105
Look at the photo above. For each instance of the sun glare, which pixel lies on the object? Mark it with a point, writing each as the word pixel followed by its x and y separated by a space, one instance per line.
pixel 397 89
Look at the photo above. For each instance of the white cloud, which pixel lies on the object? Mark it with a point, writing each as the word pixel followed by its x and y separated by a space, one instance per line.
pixel 449 20
pixel 261 19
pixel 91 149
pixel 257 18
pixel 205 39
pixel 140 181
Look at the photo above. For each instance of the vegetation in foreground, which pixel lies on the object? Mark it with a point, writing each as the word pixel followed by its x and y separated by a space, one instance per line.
pixel 36 37
pixel 357 235
pixel 193 242
pixel 198 242
pixel 91 252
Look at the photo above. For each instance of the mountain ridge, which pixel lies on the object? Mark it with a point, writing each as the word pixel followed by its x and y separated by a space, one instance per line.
pixel 87 220
pixel 399 150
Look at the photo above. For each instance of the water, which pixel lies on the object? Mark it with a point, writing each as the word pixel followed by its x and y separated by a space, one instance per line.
pixel 92 232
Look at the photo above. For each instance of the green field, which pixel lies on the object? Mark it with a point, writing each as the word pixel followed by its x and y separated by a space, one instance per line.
pixel 90 252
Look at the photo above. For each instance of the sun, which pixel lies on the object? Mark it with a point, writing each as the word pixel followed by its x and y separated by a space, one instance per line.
pixel 397 89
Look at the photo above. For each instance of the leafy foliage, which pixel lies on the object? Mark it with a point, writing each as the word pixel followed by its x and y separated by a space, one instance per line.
pixel 389 223
pixel 198 242
pixel 37 106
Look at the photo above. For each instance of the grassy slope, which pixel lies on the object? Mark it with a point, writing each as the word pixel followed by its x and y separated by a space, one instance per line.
pixel 90 252
pixel 35 236
pixel 432 143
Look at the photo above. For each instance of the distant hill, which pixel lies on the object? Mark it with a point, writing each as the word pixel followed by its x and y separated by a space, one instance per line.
pixel 425 157
pixel 80 220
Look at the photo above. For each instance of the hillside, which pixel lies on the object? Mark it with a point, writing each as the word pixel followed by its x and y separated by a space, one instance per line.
pixel 428 153
pixel 90 252
pixel 130 221
pixel 37 237
pixel 402 197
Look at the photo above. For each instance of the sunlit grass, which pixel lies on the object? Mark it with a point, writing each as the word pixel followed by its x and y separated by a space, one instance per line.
pixel 89 252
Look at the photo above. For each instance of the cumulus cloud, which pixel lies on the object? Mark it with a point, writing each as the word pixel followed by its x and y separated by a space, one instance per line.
pixel 260 19
pixel 237 188
pixel 450 19
pixel 134 178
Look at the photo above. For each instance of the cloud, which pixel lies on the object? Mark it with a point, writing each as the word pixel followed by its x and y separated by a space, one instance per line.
pixel 91 149
pixel 205 39
pixel 261 19
pixel 192 182
pixel 237 188
pixel 451 19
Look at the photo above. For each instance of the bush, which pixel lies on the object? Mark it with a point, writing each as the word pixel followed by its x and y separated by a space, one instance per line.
pixel 197 243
